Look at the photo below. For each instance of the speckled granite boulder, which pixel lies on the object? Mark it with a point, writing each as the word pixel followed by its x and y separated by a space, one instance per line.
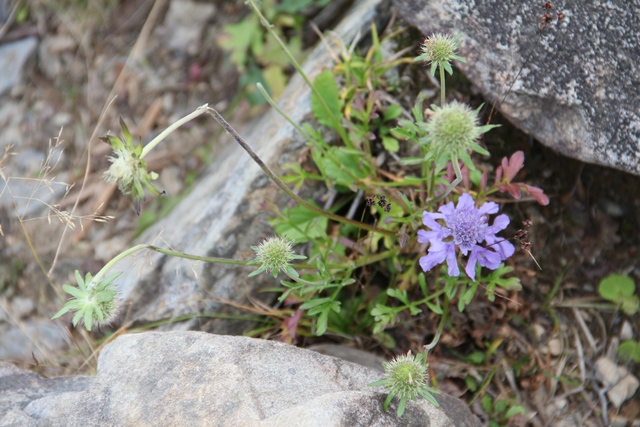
pixel 199 379
pixel 579 88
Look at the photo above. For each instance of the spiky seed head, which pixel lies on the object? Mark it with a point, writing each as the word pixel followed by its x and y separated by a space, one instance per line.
pixel 407 376
pixel 439 50
pixel 128 169
pixel 94 302
pixel 274 255
pixel 453 131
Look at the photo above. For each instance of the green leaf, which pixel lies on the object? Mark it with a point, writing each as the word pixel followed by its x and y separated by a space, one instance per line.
pixel 486 404
pixel 390 144
pixel 629 350
pixel 417 107
pixel 402 405
pixel 399 295
pixel 314 303
pixel 65 309
pixel 77 317
pixel 403 133
pixel 434 65
pixel 301 224
pixel 617 287
pixel 476 357
pixel 79 280
pixel 275 79
pixel 73 291
pixel 393 112
pixel 239 38
pixel 88 319
pixel 435 307
pixel 327 88
pixel 378 383
pixel 342 165
pixel 631 305
pixel 517 409
pixel 429 397
pixel 387 401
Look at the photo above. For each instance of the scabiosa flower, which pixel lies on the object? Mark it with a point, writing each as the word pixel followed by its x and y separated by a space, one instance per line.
pixel 452 131
pixel 406 378
pixel 439 50
pixel 92 302
pixel 275 254
pixel 128 169
pixel 466 227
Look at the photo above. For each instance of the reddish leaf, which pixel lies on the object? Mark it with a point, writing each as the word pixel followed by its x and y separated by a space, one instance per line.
pixel 513 189
pixel 513 165
pixel 290 325
pixel 538 194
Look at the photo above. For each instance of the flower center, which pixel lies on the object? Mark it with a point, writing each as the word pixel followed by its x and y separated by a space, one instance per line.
pixel 467 227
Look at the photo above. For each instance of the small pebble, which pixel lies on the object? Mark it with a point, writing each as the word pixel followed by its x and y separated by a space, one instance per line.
pixel 608 372
pixel 555 347
pixel 624 390
pixel 538 330
pixel 626 331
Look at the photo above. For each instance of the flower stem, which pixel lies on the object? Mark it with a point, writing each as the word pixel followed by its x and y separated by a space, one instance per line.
pixel 442 97
pixel 265 23
pixel 455 182
pixel 443 320
pixel 107 266
pixel 282 113
pixel 227 127
pixel 155 141
pixel 360 262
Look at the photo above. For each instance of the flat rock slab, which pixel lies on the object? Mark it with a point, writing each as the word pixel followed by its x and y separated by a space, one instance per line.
pixel 226 213
pixel 13 56
pixel 199 379
pixel 578 85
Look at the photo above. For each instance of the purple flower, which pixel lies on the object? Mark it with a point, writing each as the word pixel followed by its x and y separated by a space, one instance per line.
pixel 466 227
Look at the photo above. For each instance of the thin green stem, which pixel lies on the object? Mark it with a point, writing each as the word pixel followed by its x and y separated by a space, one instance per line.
pixel 130 251
pixel 282 113
pixel 454 183
pixel 362 261
pixel 442 88
pixel 276 180
pixel 443 320
pixel 336 123
pixel 155 141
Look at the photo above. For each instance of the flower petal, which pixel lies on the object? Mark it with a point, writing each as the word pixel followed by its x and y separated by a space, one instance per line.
pixel 432 259
pixel 488 258
pixel 429 236
pixel 429 218
pixel 499 223
pixel 465 201
pixel 447 209
pixel 452 260
pixel 489 208
pixel 470 268
pixel 505 249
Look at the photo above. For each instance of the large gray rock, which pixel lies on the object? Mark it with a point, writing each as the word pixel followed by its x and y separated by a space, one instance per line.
pixel 226 214
pixel 13 56
pixel 198 379
pixel 578 92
